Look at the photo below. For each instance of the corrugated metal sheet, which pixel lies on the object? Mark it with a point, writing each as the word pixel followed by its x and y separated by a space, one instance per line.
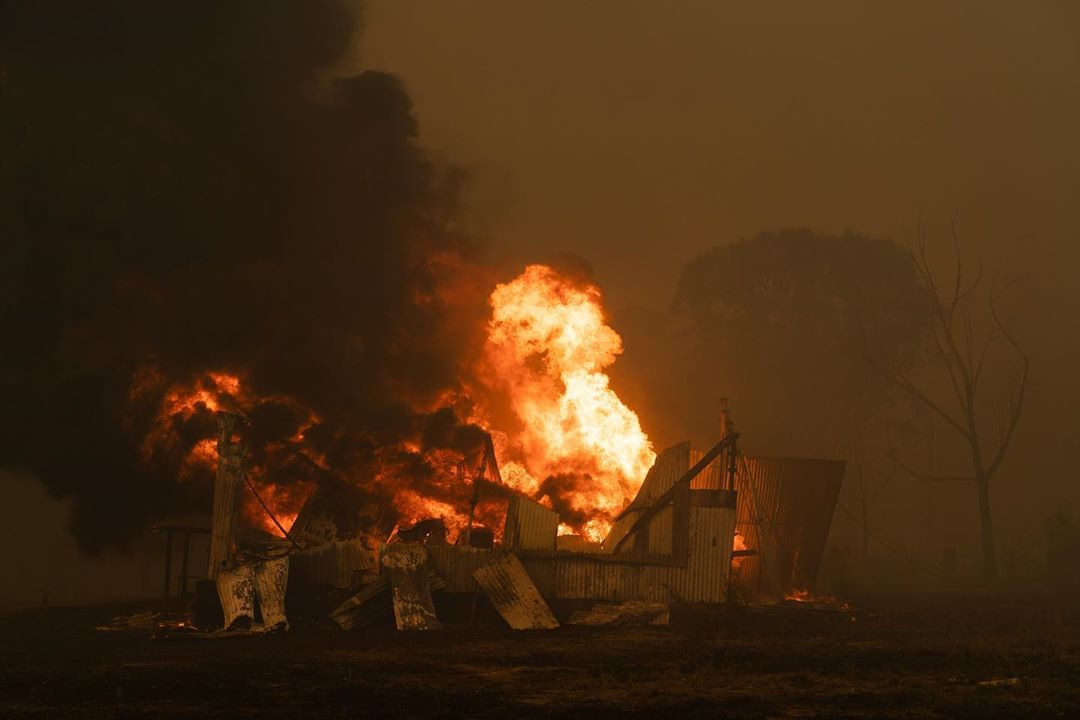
pixel 530 525
pixel 704 577
pixel 456 565
pixel 671 464
pixel 340 511
pixel 513 593
pixel 712 477
pixel 795 499
pixel 413 607
pixel 577 543
pixel 271 580
pixel 709 559
pixel 236 590
pixel 659 532
pixel 366 606
pixel 337 563
pixel 636 612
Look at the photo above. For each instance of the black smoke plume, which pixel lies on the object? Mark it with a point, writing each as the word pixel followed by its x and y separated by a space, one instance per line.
pixel 189 187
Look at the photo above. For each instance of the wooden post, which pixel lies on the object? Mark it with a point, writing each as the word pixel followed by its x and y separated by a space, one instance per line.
pixel 227 483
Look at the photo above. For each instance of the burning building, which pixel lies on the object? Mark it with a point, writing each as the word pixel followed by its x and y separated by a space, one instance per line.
pixel 535 485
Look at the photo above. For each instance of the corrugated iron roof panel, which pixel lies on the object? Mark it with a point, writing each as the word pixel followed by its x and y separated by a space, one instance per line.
pixel 271 581
pixel 530 525
pixel 513 593
pixel 413 607
pixel 236 590
pixel 795 499
pixel 335 563
pixel 456 564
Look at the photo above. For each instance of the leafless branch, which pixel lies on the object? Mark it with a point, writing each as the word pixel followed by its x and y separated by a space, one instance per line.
pixel 923 477
pixel 901 380
pixel 1016 402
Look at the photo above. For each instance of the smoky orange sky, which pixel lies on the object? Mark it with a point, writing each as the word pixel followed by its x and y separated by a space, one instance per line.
pixel 637 134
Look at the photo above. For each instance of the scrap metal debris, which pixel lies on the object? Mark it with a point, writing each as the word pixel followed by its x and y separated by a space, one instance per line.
pixel 513 594
pixel 628 613
pixel 674 541
pixel 413 607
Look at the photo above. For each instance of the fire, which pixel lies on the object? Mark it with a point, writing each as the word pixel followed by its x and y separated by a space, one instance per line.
pixel 801 596
pixel 738 544
pixel 560 433
pixel 548 346
pixel 181 404
pixel 284 501
pixel 178 405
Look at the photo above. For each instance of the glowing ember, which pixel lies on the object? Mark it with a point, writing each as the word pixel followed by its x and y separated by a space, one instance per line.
pixel 548 345
pixel 805 597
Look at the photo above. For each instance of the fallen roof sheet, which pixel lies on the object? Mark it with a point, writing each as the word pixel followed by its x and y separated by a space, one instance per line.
pixel 373 603
pixel 413 607
pixel 513 594
pixel 366 606
pixel 338 563
pixel 236 590
pixel 271 579
pixel 629 613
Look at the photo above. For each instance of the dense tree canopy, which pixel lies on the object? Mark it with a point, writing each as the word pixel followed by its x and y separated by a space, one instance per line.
pixel 782 323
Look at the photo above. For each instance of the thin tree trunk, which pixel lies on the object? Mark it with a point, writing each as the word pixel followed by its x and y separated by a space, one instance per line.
pixel 989 554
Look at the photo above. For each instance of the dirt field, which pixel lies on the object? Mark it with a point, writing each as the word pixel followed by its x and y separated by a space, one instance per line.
pixel 916 657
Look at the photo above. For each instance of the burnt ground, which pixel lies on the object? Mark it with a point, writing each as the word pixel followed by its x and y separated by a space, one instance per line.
pixel 911 657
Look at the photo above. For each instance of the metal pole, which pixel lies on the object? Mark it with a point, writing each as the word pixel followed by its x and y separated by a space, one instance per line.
pixel 168 568
pixel 184 561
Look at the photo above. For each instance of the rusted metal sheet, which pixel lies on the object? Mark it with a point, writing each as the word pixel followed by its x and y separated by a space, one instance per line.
pixel 659 531
pixel 709 557
pixel 413 607
pixel 456 564
pixel 365 607
pixel 636 612
pixel 712 477
pixel 703 578
pixel 577 543
pixel 271 580
pixel 795 499
pixel 374 602
pixel 669 466
pixel 513 594
pixel 236 590
pixel 339 563
pixel 227 482
pixel 338 510
pixel 530 525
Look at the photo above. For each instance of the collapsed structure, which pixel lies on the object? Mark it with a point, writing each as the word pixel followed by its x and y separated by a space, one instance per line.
pixel 701 525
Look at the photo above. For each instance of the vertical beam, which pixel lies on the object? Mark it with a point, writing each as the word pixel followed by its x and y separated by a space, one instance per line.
pixel 230 476
pixel 168 569
pixel 184 564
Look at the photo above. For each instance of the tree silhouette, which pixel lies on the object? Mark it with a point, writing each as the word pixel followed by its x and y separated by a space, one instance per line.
pixel 962 356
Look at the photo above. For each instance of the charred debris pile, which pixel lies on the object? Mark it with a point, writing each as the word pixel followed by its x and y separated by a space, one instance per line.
pixel 705 527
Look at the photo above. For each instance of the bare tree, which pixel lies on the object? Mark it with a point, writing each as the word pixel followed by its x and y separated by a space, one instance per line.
pixel 962 356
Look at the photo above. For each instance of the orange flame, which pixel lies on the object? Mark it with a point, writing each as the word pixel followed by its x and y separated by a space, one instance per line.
pixel 577 447
pixel 548 345
pixel 738 544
